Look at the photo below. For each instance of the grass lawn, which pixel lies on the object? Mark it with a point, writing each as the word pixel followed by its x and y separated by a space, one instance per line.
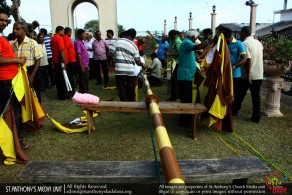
pixel 121 137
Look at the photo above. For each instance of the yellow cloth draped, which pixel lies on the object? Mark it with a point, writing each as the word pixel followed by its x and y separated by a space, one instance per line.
pixel 220 87
pixel 7 143
pixel 32 113
pixel 17 84
pixel 22 91
pixel 217 109
pixel 66 129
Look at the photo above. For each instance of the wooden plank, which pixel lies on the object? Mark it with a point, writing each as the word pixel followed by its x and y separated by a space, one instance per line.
pixel 89 171
pixel 141 171
pixel 222 169
pixel 113 106
pixel 181 108
pixel 165 107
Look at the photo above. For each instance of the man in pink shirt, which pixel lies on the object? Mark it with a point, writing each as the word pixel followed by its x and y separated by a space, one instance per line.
pixel 82 61
pixel 100 50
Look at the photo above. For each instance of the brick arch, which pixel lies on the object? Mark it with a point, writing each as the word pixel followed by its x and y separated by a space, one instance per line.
pixel 62 13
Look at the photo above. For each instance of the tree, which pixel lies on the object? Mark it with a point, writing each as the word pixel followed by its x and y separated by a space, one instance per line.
pixel 14 11
pixel 91 26
pixel 4 7
pixel 120 29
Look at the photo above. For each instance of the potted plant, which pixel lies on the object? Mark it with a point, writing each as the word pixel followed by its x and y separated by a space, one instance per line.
pixel 277 55
pixel 277 61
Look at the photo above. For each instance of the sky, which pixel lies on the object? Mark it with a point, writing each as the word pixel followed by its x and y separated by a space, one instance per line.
pixel 150 14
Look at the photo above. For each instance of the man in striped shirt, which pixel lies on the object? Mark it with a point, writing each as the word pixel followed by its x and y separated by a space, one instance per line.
pixel 47 41
pixel 126 55
pixel 28 48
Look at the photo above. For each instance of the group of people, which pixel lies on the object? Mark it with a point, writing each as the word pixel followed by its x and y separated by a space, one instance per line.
pixel 221 82
pixel 82 58
pixel 228 75
pixel 246 59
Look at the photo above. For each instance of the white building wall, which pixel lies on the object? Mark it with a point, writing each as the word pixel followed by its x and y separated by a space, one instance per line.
pixel 62 13
pixel 286 15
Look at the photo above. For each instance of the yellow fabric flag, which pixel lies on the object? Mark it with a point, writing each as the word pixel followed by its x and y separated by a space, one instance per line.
pixel 212 120
pixel 26 104
pixel 66 129
pixel 17 84
pixel 7 143
pixel 217 109
pixel 38 114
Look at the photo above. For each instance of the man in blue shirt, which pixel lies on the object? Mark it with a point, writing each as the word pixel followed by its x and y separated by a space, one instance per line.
pixel 162 49
pixel 237 58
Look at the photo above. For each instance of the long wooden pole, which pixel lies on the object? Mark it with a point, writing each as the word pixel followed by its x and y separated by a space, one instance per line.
pixel 171 170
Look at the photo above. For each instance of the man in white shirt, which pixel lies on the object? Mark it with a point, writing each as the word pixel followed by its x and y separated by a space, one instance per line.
pixel 155 71
pixel 88 44
pixel 254 70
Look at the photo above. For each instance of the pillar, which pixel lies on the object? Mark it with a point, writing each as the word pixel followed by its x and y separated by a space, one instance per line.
pixel 175 23
pixel 164 31
pixel 253 11
pixel 213 20
pixel 190 21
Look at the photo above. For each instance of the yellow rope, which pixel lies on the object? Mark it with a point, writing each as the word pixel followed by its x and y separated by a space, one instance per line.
pixel 264 158
pixel 254 150
pixel 228 145
pixel 286 174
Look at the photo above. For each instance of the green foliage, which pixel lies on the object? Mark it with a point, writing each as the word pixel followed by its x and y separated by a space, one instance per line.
pixel 4 7
pixel 91 26
pixel 153 44
pixel 120 29
pixel 278 49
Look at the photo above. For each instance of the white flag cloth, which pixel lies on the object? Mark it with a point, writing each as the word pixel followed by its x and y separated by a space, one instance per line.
pixel 67 82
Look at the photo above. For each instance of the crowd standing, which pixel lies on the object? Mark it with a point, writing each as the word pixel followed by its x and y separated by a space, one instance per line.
pixel 192 62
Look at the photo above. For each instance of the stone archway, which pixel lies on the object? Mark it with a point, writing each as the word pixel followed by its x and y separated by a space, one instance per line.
pixel 62 13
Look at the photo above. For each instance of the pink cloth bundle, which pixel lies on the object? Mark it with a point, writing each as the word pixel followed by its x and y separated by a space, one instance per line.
pixel 85 98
